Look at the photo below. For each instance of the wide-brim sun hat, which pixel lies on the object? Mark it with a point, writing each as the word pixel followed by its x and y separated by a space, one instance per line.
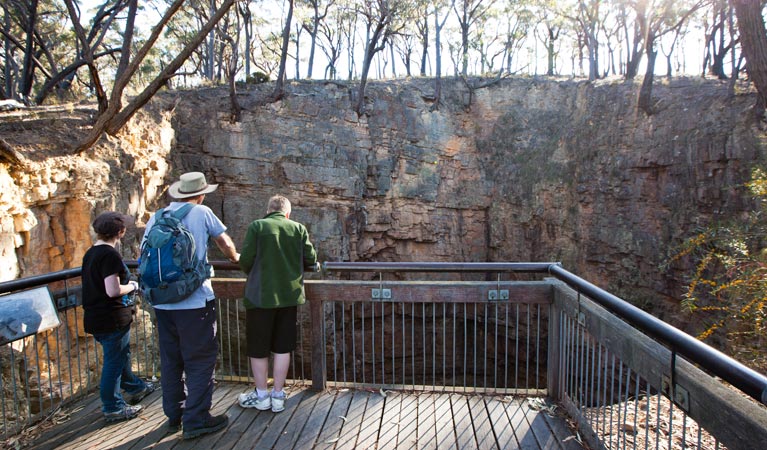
pixel 191 184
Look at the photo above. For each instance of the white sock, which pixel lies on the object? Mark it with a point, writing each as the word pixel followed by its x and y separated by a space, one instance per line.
pixel 276 393
pixel 261 392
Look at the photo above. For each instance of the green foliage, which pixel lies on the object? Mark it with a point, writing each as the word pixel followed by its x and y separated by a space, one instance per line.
pixel 727 293
pixel 257 78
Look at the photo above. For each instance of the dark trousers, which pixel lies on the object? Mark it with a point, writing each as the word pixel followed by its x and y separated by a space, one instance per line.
pixel 188 350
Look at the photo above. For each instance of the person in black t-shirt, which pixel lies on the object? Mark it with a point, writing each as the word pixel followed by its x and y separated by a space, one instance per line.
pixel 108 314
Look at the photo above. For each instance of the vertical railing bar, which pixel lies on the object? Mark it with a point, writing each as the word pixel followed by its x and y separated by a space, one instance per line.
pixel 612 396
pixel 604 392
pixel 577 366
pixel 595 392
pixel 423 344
pixel 474 354
pixel 383 343
pixel 404 347
pixel 684 429
pixel 657 429
pixel 585 369
pixel 354 347
pixel 335 340
pixel 433 346
pixel 239 341
pixel 444 346
pixel 562 344
pixel 626 404
pixel 455 323
pixel 636 406
pixel 36 344
pixel 495 350
pixel 516 347
pixel 362 319
pixel 527 349
pixel 373 338
pixel 15 388
pixel 343 341
pixel 412 341
pixel 465 343
pixel 594 372
pixel 700 436
pixel 229 337
pixel 506 346
pixel 538 359
pixel 484 350
pixel 2 397
pixel 69 351
pixel 648 390
pixel 393 348
pixel 566 350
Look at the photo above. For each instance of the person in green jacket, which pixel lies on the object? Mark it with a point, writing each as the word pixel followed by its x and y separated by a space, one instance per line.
pixel 274 254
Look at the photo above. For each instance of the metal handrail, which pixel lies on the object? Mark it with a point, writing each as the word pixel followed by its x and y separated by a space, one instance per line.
pixel 748 380
pixel 524 267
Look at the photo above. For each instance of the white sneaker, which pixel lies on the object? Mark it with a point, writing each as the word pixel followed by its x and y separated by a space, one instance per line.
pixel 252 400
pixel 278 401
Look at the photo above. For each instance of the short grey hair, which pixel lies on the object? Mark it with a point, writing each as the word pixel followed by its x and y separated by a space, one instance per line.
pixel 278 203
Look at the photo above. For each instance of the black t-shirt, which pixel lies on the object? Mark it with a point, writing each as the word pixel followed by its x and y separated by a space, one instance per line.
pixel 103 314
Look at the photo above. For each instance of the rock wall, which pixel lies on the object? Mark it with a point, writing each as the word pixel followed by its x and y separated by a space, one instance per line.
pixel 521 170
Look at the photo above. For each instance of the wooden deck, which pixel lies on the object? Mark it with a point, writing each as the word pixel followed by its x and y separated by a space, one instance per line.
pixel 333 419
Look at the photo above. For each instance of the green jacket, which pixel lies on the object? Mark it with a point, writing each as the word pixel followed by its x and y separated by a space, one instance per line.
pixel 274 254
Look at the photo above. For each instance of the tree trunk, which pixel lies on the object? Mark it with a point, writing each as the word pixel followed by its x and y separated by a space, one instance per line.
pixel 645 92
pixel 7 67
pixel 753 39
pixel 28 68
pixel 279 85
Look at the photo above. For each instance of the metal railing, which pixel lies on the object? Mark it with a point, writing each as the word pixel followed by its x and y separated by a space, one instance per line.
pixel 628 379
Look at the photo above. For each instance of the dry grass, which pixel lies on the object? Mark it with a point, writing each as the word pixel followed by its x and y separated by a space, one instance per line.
pixel 649 422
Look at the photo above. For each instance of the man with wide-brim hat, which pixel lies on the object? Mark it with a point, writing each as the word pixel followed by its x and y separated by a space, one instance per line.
pixel 187 328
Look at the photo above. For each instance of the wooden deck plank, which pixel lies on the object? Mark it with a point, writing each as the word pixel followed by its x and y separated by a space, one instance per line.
pixel 81 416
pixel 482 426
pixel 516 414
pixel 372 421
pixel 427 427
pixel 464 429
pixel 310 432
pixel 312 420
pixel 281 420
pixel 331 431
pixel 390 423
pixel 221 396
pixel 352 422
pixel 504 434
pixel 544 435
pixel 443 422
pixel 408 422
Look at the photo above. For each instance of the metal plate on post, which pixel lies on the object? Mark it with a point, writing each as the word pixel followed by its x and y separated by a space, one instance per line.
pixel 26 313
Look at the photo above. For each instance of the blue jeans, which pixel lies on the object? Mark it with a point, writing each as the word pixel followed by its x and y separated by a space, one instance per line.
pixel 116 373
pixel 188 351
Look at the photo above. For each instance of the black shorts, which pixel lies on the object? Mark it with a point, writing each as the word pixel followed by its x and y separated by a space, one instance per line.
pixel 270 330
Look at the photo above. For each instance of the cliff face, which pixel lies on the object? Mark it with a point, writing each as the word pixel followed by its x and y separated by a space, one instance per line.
pixel 522 170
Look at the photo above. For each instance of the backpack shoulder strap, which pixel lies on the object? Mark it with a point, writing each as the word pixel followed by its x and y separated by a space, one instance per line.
pixel 183 211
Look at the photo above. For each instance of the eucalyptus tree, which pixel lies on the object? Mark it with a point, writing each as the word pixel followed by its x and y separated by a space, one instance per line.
pixel 439 23
pixel 517 20
pixel 331 39
pixel 548 30
pixel 115 116
pixel 319 12
pixel 719 41
pixel 658 18
pixel 382 20
pixel 469 13
pixel 753 41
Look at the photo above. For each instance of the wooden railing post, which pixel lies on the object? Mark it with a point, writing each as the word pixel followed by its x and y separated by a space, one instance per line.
pixel 319 373
pixel 554 352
